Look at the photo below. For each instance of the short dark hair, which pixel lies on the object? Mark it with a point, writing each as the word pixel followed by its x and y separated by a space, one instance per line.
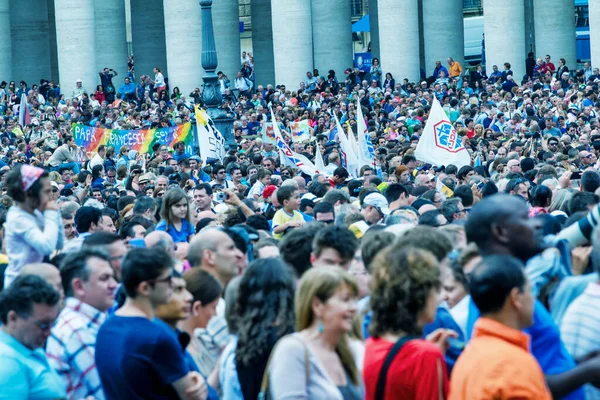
pixel 85 217
pixel 590 181
pixel 341 172
pixel 205 186
pixel 23 293
pixel 580 201
pixel 335 195
pixel 285 193
pixel 337 238
pixel 465 194
pixel 127 229
pixel 258 222
pixel 372 244
pixel 323 208
pixel 202 285
pixel 492 281
pixel 100 239
pixel 430 218
pixel 427 238
pixel 142 265
pixel 295 247
pixel 394 191
pixel 143 204
pixel 74 265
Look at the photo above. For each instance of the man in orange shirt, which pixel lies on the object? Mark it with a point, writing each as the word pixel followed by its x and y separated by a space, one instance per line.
pixel 497 364
pixel 455 69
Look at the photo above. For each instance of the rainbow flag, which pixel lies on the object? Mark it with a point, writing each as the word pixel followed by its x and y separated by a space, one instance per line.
pixel 140 140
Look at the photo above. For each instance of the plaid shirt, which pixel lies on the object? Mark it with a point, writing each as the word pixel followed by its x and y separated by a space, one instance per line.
pixel 71 348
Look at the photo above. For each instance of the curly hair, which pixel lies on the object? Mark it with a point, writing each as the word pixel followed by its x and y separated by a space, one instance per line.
pixel 403 278
pixel 265 309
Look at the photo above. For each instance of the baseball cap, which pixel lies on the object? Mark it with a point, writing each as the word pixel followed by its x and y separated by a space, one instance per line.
pixel 378 201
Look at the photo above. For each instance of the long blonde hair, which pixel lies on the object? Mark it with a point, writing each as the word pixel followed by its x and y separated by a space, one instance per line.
pixel 323 283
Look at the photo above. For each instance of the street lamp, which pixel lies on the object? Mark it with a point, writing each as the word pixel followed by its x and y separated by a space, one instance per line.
pixel 211 91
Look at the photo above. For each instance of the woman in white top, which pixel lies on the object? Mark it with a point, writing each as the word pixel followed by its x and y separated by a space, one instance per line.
pixel 33 228
pixel 159 81
pixel 318 361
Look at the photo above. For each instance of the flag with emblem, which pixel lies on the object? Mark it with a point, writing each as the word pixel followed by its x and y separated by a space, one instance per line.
pixel 440 144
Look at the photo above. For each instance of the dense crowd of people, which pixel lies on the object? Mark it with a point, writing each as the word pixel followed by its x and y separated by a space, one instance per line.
pixel 165 275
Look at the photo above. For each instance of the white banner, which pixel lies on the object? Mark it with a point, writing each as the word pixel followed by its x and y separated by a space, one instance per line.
pixel 210 140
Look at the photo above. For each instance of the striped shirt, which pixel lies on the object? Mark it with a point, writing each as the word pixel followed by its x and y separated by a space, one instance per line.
pixel 71 348
pixel 580 326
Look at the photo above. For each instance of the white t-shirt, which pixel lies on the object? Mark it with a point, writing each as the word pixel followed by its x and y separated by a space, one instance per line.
pixel 159 80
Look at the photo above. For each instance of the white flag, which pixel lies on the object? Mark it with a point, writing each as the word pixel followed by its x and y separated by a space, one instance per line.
pixel 440 144
pixel 348 156
pixel 291 157
pixel 365 146
pixel 210 140
pixel 319 160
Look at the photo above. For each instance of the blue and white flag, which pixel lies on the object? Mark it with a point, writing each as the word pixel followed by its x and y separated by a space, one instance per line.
pixel 440 144
pixel 290 157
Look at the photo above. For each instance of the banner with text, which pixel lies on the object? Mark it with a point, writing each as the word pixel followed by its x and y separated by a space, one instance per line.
pixel 141 140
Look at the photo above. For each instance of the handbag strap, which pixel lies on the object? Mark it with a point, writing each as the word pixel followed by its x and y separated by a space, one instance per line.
pixel 382 378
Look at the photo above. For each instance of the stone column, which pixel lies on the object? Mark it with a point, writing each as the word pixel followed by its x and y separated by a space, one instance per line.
pixel 76 43
pixel 504 27
pixel 5 40
pixel 226 23
pixel 374 23
pixel 183 19
pixel 399 39
pixel 111 40
pixel 52 42
pixel 554 33
pixel 292 41
pixel 148 34
pixel 594 18
pixel 443 32
pixel 332 36
pixel 29 35
pixel 262 42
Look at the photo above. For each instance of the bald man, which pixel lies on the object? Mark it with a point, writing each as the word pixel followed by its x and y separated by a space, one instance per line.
pixel 160 237
pixel 214 251
pixel 47 272
pixel 514 166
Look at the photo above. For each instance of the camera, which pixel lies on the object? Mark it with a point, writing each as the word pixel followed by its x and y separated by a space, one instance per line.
pixel 221 197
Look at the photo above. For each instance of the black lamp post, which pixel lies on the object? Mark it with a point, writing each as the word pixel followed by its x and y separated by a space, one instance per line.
pixel 211 93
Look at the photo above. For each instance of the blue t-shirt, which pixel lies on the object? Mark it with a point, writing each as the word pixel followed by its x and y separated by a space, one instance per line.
pixel 178 236
pixel 139 359
pixel 546 345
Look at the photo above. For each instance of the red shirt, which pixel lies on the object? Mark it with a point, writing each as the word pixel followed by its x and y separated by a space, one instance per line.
pixel 412 375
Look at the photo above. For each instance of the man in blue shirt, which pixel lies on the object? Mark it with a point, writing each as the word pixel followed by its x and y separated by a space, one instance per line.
pixel 127 90
pixel 28 308
pixel 499 225
pixel 137 355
